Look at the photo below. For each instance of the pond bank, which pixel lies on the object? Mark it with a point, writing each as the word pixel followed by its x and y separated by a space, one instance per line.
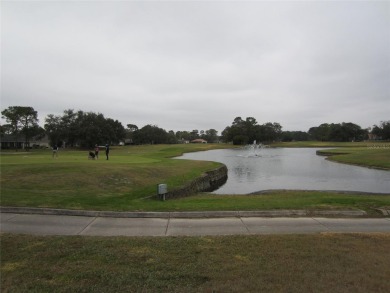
pixel 209 181
pixel 292 169
pixel 363 157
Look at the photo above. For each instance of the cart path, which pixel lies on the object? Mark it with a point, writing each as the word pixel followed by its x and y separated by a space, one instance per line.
pixel 43 224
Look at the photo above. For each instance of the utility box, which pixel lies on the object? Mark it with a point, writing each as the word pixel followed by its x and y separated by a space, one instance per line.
pixel 162 190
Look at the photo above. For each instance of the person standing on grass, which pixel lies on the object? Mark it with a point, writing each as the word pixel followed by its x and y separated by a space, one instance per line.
pixel 55 151
pixel 96 151
pixel 107 150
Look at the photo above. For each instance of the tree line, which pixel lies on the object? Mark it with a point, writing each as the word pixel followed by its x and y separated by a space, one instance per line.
pixel 247 131
pixel 341 132
pixel 85 129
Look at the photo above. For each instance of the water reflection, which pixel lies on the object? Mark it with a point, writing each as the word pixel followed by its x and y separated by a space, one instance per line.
pixel 286 168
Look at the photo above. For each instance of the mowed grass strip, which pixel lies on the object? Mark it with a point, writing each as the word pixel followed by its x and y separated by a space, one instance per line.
pixel 278 200
pixel 268 263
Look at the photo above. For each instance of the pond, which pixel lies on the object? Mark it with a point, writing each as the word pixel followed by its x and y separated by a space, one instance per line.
pixel 251 170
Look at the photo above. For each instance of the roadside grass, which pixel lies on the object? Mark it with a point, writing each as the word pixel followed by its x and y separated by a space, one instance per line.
pixel 278 200
pixel 262 263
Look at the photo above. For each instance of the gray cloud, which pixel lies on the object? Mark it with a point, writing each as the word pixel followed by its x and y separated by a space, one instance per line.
pixel 198 65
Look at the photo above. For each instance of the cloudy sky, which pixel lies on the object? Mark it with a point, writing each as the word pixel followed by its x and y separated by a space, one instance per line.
pixel 185 65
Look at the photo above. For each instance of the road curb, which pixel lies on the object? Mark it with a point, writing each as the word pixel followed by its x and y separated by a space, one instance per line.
pixel 195 214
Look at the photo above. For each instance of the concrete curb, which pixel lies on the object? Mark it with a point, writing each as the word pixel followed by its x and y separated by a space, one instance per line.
pixel 186 215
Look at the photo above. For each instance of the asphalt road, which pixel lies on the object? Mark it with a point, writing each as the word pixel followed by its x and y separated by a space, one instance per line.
pixel 39 224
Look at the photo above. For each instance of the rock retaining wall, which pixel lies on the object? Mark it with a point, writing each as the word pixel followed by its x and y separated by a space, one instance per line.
pixel 209 181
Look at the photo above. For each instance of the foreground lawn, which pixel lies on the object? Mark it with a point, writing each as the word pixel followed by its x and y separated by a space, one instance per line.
pixel 269 263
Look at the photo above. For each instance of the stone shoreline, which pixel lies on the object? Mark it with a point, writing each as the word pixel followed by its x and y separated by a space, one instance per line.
pixel 209 181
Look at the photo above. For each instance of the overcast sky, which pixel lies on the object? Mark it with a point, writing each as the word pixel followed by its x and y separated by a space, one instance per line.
pixel 185 65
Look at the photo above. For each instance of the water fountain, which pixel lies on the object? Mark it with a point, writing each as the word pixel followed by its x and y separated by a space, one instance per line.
pixel 254 150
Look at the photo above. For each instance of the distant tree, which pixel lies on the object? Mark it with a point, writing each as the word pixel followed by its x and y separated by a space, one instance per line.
pixel 132 127
pixel 240 139
pixel 83 128
pixel 65 129
pixel 70 127
pixel 377 131
pixel 252 129
pixel 129 132
pixel 194 134
pixel 151 134
pixel 22 121
pixel 183 136
pixel 5 129
pixel 91 129
pixel 211 135
pixel 294 136
pixel 241 131
pixel 54 130
pixel 172 137
pixel 320 133
pixel 386 129
pixel 116 131
pixel 247 131
pixel 38 132
pixel 270 132
pixel 94 128
pixel 345 131
pixel 383 130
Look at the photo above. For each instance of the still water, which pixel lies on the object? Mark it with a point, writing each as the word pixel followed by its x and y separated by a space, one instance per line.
pixel 290 168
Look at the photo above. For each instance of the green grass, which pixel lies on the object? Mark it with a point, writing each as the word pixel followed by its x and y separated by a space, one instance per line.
pixel 325 144
pixel 129 178
pixel 72 181
pixel 269 263
pixel 362 156
pixel 308 200
pixel 284 263
pixel 368 154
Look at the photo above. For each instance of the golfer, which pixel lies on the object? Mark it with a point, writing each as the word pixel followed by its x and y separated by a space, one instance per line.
pixel 96 151
pixel 107 150
pixel 55 151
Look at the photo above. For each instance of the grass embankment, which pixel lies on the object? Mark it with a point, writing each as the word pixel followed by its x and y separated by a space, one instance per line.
pixel 367 154
pixel 35 179
pixel 364 156
pixel 326 144
pixel 268 263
